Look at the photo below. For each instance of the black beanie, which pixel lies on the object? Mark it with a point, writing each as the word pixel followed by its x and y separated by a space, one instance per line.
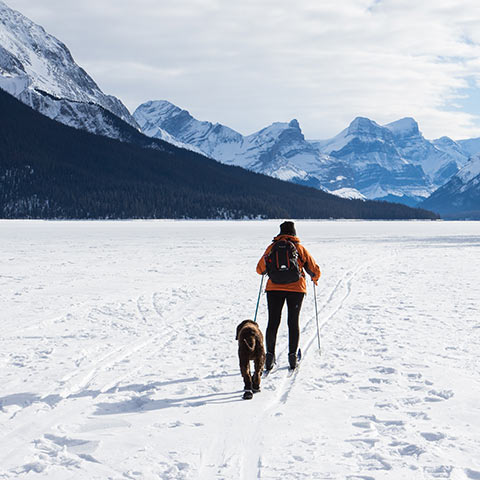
pixel 288 228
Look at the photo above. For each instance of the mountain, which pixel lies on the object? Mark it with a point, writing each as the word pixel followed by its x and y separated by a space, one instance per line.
pixel 279 150
pixel 439 159
pixel 49 170
pixel 392 162
pixel 373 163
pixel 39 70
pixel 460 196
pixel 163 120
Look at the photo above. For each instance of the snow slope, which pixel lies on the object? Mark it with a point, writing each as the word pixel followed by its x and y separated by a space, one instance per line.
pixel 279 150
pixel 161 119
pixel 377 167
pixel 460 196
pixel 348 193
pixel 470 145
pixel 118 357
pixel 470 170
pixel 40 71
pixel 439 159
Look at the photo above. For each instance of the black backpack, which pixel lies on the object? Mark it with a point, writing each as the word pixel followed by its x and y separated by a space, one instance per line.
pixel 282 262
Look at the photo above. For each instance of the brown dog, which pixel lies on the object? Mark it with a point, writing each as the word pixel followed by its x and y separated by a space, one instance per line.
pixel 250 347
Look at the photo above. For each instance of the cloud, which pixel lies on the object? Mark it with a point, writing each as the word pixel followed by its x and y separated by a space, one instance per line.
pixel 249 63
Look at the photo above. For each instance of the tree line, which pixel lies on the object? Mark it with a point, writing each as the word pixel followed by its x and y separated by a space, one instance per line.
pixel 49 170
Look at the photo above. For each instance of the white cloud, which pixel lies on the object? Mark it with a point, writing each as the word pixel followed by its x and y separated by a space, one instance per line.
pixel 249 63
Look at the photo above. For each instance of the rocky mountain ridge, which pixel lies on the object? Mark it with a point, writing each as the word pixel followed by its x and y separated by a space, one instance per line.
pixel 39 70
pixel 390 162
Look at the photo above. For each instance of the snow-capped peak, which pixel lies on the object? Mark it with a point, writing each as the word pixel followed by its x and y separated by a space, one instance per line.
pixel 444 141
pixel 362 126
pixel 278 128
pixel 405 127
pixel 358 122
pixel 160 117
pixel 366 159
pixel 39 70
pixel 154 110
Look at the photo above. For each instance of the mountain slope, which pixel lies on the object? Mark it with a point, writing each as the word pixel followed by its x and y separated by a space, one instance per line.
pixel 392 162
pixel 48 170
pixel 439 159
pixel 161 118
pixel 470 145
pixel 39 70
pixel 375 165
pixel 459 197
pixel 279 150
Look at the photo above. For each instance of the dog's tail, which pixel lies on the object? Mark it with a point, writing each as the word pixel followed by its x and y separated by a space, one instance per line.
pixel 250 347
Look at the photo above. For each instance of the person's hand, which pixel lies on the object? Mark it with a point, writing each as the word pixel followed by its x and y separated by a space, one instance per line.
pixel 315 281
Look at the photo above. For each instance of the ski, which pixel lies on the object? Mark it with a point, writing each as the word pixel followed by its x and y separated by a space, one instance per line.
pixel 266 373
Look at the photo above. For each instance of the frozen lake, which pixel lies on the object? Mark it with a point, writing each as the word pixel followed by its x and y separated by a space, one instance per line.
pixel 118 358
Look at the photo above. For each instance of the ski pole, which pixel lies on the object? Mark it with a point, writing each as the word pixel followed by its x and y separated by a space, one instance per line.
pixel 258 300
pixel 316 316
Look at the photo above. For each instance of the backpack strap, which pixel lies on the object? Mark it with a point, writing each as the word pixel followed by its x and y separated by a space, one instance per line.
pixel 298 253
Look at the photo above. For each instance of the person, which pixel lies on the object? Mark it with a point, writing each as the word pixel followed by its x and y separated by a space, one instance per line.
pixel 293 293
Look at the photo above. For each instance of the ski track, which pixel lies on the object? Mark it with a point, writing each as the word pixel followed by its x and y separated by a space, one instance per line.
pixel 342 289
pixel 249 457
pixel 115 366
pixel 76 385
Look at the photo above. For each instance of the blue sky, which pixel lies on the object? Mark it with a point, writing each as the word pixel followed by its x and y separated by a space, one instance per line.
pixel 253 62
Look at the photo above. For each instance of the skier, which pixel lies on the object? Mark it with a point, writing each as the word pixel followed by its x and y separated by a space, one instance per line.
pixel 284 261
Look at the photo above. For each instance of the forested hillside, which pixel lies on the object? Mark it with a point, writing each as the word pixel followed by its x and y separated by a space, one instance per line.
pixel 49 170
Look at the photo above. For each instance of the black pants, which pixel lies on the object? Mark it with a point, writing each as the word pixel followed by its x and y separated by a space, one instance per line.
pixel 275 300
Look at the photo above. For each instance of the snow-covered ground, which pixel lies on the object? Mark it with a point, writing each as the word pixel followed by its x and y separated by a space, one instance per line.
pixel 118 358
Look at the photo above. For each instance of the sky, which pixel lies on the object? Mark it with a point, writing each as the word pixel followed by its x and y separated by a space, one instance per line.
pixel 250 63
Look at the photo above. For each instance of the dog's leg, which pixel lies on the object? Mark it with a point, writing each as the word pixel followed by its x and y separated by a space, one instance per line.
pixel 259 363
pixel 247 377
pixel 247 380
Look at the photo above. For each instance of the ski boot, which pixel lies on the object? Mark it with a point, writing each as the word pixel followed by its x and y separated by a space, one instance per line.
pixel 269 361
pixel 294 358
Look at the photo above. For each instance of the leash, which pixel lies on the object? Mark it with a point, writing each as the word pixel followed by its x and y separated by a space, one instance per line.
pixel 258 300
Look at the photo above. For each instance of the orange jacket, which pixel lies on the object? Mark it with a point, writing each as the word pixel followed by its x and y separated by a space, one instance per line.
pixel 305 260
